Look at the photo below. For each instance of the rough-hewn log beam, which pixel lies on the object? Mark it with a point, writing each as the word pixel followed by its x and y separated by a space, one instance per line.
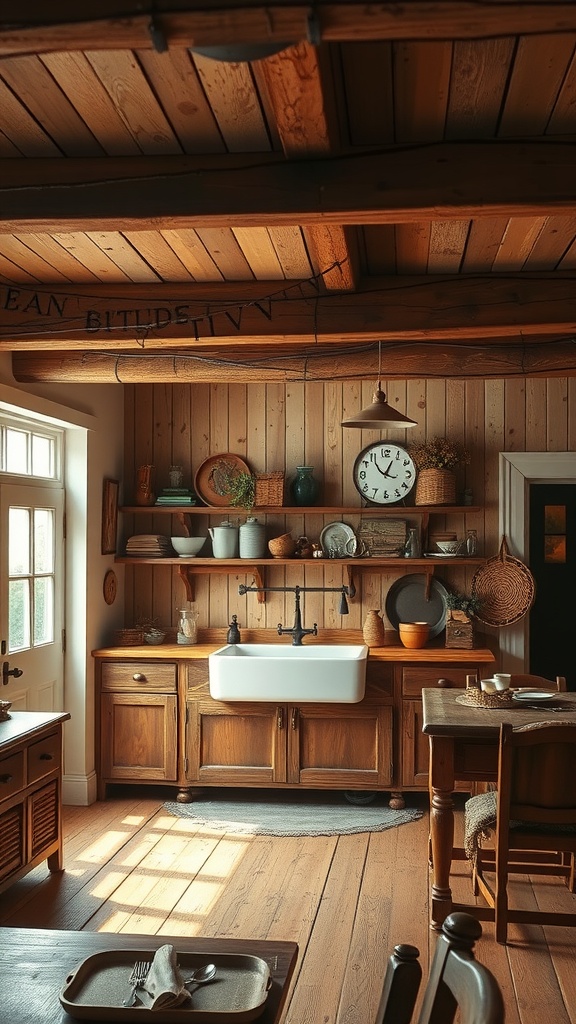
pixel 97 24
pixel 117 318
pixel 415 183
pixel 400 362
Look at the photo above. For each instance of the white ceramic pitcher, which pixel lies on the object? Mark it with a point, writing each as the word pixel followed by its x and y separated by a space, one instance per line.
pixel 224 540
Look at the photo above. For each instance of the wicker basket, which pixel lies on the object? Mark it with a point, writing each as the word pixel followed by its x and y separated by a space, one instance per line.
pixel 269 489
pixel 435 487
pixel 129 637
pixel 476 698
pixel 505 587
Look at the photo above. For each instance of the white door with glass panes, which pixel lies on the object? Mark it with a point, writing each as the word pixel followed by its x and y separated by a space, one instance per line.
pixel 31 583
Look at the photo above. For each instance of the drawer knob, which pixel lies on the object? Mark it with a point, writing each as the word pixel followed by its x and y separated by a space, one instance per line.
pixel 138 677
pixel 46 757
pixel 443 682
pixel 6 778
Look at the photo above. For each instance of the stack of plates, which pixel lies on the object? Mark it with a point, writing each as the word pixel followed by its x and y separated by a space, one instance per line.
pixel 148 545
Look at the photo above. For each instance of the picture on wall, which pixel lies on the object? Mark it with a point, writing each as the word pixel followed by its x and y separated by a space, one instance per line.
pixel 109 516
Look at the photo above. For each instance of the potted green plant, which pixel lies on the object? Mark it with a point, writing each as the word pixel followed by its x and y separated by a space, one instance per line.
pixel 242 490
pixel 436 460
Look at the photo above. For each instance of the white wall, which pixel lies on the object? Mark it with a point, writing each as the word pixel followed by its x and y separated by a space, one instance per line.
pixel 94 416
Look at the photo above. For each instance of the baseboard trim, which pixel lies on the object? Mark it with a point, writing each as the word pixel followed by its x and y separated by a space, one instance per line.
pixel 79 790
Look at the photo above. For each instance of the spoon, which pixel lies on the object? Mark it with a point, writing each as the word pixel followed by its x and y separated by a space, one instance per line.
pixel 201 975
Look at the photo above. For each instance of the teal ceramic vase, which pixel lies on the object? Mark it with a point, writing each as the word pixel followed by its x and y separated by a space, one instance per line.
pixel 304 487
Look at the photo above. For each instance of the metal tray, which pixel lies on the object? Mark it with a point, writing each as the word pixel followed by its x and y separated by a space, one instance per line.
pixel 95 990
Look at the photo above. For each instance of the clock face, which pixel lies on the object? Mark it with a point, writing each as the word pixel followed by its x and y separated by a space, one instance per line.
pixel 384 473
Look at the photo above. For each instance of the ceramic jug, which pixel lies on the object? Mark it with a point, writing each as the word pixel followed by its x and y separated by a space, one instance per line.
pixel 224 540
pixel 252 539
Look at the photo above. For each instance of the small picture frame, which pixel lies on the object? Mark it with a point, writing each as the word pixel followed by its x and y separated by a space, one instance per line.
pixel 109 516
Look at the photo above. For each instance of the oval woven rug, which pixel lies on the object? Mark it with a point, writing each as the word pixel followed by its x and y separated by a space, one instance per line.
pixel 279 817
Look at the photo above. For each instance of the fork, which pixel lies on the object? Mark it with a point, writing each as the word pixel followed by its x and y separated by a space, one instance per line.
pixel 137 978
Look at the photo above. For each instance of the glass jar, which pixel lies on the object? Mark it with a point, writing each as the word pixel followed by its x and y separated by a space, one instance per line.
pixel 413 547
pixel 471 542
pixel 187 626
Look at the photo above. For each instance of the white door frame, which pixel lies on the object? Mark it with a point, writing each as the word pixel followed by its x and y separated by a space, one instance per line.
pixel 517 471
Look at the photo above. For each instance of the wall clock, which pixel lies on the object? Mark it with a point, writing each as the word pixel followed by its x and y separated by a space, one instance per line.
pixel 384 473
pixel 110 587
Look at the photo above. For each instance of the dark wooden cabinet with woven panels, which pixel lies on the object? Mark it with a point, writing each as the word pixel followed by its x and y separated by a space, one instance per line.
pixel 30 793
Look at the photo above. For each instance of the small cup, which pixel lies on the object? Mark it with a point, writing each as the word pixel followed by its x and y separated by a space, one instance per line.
pixel 502 680
pixel 488 685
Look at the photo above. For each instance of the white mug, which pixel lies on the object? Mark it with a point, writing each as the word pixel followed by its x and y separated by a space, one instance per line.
pixel 502 680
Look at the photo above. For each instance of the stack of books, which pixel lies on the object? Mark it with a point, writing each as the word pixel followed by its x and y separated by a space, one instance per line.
pixel 176 496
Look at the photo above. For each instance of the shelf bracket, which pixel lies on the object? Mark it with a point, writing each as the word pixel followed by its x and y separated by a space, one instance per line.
pixel 187 573
pixel 188 582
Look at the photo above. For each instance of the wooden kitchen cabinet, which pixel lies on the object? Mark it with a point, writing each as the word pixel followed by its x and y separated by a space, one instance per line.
pixel 411 681
pixel 318 746
pixel 158 724
pixel 30 793
pixel 138 723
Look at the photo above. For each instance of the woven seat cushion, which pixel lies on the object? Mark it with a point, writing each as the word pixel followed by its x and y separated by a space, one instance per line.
pixel 480 821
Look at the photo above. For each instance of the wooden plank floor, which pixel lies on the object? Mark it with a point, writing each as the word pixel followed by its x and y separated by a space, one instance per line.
pixel 346 900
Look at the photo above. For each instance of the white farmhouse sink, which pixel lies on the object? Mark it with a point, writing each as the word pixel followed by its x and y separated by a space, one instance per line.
pixel 280 672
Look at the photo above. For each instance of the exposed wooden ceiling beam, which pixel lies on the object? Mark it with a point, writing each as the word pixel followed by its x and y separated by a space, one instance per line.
pixel 415 183
pixel 518 307
pixel 401 362
pixel 123 24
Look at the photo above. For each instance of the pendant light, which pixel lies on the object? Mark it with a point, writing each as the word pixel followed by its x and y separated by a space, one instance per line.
pixel 379 415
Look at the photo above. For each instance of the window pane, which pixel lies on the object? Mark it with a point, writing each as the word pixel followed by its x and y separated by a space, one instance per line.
pixel 43 610
pixel 43 540
pixel 18 615
pixel 42 456
pixel 18 541
pixel 16 451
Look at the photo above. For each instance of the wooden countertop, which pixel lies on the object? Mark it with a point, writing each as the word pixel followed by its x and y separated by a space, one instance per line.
pixel 212 639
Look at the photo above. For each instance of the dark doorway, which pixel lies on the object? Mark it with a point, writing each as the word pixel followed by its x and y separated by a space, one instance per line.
pixel 553 564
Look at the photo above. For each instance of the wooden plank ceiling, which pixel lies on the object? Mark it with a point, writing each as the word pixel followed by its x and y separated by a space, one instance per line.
pixel 401 175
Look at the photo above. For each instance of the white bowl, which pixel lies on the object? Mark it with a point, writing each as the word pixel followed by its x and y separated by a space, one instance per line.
pixel 187 547
pixel 488 685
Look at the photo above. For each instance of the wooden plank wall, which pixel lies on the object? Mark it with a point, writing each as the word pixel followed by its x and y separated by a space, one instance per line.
pixel 278 427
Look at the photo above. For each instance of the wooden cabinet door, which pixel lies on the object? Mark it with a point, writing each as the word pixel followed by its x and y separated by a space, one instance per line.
pixel 415 746
pixel 139 738
pixel 235 744
pixel 340 746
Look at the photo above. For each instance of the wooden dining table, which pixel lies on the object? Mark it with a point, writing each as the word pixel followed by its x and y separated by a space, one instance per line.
pixel 464 748
pixel 35 963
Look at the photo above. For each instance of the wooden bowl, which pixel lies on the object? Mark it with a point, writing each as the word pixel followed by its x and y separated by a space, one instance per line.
pixel 414 634
pixel 283 546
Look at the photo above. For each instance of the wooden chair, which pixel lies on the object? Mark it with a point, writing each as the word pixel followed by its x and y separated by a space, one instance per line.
pixel 538 682
pixel 457 982
pixel 535 819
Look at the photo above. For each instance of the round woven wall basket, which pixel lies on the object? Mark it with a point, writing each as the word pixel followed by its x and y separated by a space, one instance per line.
pixel 435 487
pixel 505 588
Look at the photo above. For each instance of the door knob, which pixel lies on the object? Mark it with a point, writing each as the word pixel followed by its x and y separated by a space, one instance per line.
pixel 6 672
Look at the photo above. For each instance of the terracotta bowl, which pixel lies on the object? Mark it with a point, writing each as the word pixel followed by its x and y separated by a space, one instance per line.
pixel 282 547
pixel 414 634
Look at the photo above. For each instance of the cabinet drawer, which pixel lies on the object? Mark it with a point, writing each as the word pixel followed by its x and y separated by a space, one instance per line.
pixel 44 757
pixel 415 678
pixel 139 675
pixel 11 774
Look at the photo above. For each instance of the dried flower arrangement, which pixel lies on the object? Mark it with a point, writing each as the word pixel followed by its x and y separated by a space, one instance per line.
pixel 439 453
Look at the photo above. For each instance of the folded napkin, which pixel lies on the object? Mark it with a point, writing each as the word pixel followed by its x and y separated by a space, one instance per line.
pixel 164 982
